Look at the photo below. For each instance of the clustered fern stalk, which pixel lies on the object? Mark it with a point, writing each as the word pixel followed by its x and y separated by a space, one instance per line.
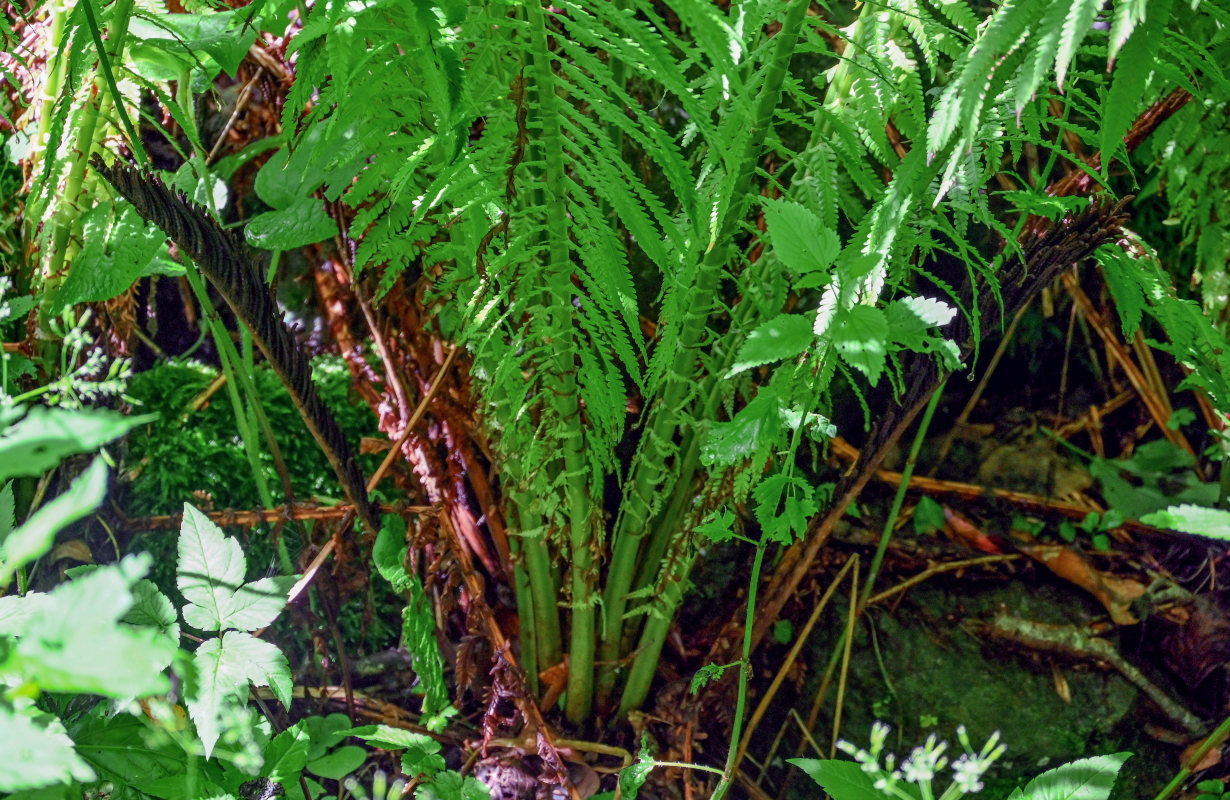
pixel 541 162
pixel 780 193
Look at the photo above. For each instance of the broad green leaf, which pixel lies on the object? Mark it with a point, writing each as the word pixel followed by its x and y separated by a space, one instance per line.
pixel 37 751
pixel 389 552
pixel 223 35
pixel 116 253
pixel 35 536
pixel 225 666
pixel 451 785
pixel 422 756
pixel 754 428
pixel 293 174
pixel 844 780
pixel 800 239
pixel 784 336
pixel 326 732
pixel 16 610
pixel 286 754
pixel 45 436
pixel 633 777
pixel 7 511
pixel 73 641
pixel 339 763
pixel 911 317
pixel 1086 779
pixel 1211 522
pixel 210 576
pixel 928 515
pixel 304 222
pixel 861 336
pixel 154 609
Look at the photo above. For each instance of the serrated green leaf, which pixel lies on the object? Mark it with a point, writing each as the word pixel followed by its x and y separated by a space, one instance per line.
pixel 72 641
pixel 225 666
pixel 844 780
pixel 784 336
pixel 719 528
pixel 286 754
pixel 119 748
pixel 1077 24
pixel 1211 522
pixel 210 576
pixel 783 505
pixel 1127 15
pixel 1086 779
pixel 45 436
pixel 754 428
pixel 37 750
pixel 802 242
pixel 860 334
pixel 153 609
pixel 116 253
pixel 35 536
pixel 422 756
pixel 451 785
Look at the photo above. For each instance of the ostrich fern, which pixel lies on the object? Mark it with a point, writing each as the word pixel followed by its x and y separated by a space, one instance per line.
pixel 786 182
pixel 536 160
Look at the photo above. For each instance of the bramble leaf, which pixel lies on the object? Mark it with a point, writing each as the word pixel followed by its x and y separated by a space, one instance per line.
pixel 861 336
pixel 784 336
pixel 225 666
pixel 800 239
pixel 844 780
pixel 210 576
pixel 1086 779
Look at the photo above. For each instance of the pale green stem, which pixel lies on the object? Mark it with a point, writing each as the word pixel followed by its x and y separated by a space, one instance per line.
pixel 562 389
pixel 649 479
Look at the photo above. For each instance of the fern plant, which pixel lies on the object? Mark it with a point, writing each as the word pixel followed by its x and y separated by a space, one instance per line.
pixel 543 165
pixel 662 232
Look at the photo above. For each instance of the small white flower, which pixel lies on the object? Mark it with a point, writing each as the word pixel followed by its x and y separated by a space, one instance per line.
pixel 966 773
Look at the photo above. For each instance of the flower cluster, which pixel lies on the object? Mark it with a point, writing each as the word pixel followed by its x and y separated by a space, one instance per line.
pixel 924 763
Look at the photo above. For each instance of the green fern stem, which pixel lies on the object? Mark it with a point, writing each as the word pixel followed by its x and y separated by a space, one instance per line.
pixel 58 10
pixel 69 213
pixel 562 388
pixel 543 588
pixel 648 482
pixel 526 609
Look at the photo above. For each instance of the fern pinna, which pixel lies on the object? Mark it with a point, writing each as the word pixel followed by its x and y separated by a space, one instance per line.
pixel 632 216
